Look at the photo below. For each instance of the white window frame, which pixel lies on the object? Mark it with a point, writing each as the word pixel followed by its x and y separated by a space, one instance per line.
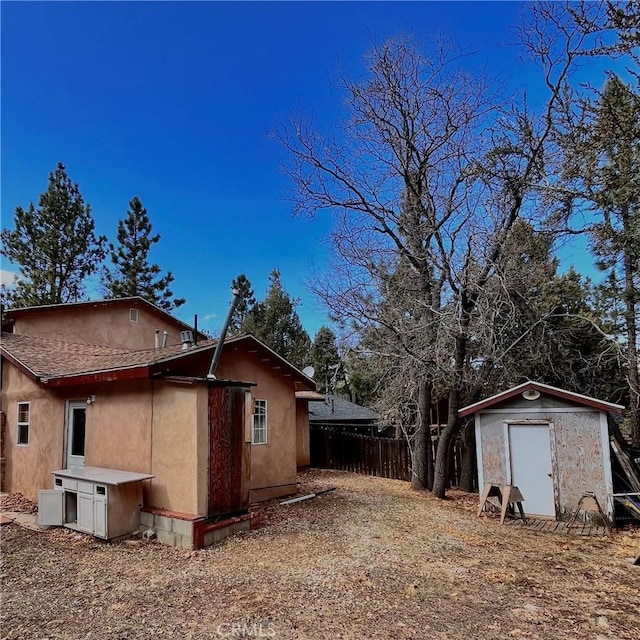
pixel 21 424
pixel 133 315
pixel 259 432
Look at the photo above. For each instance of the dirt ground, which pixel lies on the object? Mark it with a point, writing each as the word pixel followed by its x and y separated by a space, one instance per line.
pixel 372 559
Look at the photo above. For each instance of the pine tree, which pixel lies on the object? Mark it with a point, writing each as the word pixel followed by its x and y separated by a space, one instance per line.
pixel 54 246
pixel 245 303
pixel 132 275
pixel 611 177
pixel 275 322
pixel 325 359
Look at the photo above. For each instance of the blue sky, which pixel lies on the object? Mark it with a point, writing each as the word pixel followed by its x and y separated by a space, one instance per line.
pixel 174 103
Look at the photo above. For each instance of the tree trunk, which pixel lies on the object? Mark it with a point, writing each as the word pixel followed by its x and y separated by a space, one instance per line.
pixel 443 453
pixel 468 471
pixel 422 461
pixel 632 340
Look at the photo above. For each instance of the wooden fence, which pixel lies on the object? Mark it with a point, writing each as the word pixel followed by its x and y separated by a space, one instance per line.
pixel 383 457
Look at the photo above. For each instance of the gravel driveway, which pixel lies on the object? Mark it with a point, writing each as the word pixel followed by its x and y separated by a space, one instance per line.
pixel 372 559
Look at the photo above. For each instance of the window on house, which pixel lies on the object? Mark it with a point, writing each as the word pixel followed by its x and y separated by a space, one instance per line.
pixel 133 315
pixel 23 423
pixel 259 431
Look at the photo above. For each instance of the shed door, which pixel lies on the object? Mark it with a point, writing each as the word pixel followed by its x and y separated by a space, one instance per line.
pixel 531 470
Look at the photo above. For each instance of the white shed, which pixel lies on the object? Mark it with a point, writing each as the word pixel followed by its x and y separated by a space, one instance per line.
pixel 551 443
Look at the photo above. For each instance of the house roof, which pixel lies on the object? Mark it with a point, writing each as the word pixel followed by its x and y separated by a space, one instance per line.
pixel 10 315
pixel 57 363
pixel 334 409
pixel 576 398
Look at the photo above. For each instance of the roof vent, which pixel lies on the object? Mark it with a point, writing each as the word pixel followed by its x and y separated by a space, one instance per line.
pixel 186 338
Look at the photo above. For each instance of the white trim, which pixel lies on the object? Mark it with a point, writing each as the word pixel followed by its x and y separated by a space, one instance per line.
pixel 266 430
pixel 74 460
pixel 507 450
pixel 20 423
pixel 606 465
pixel 479 461
pixel 543 410
pixel 544 387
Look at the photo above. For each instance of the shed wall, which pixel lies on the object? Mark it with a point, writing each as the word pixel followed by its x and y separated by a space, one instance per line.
pixel 580 455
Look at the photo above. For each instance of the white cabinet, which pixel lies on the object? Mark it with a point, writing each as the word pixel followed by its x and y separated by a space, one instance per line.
pixel 102 502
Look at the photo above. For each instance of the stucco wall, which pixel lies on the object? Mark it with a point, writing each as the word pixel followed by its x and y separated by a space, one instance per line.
pixel 100 324
pixel 117 432
pixel 303 454
pixel 578 457
pixel 28 468
pixel 273 465
pixel 175 448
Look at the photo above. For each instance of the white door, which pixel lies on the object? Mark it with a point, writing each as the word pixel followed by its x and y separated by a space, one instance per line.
pixel 50 507
pixel 76 424
pixel 531 471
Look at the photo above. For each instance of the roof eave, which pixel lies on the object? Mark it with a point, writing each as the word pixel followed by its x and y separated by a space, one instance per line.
pixel 95 377
pixel 542 388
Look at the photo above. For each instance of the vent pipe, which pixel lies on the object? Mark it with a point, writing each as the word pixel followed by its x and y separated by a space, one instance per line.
pixel 165 338
pixel 186 338
pixel 156 338
pixel 216 354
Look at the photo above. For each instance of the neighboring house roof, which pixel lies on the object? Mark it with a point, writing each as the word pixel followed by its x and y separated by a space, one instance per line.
pixel 576 398
pixel 58 363
pixel 338 410
pixel 10 315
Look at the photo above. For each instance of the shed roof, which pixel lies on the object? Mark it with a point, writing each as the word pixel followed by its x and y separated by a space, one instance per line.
pixel 576 398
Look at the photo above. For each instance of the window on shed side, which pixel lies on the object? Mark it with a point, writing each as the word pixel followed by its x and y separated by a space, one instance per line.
pixel 23 423
pixel 259 430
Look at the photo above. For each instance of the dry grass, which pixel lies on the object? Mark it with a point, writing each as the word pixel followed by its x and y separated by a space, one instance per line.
pixel 370 560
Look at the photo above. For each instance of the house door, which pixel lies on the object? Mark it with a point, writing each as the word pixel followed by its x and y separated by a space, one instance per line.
pixel 531 469
pixel 76 423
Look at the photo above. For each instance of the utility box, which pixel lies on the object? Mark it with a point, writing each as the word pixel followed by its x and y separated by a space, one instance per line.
pixel 102 502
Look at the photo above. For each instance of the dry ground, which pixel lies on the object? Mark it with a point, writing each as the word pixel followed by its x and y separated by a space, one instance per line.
pixel 370 560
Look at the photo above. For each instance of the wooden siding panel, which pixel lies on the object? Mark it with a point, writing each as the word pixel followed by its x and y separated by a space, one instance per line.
pixel 493 450
pixel 229 467
pixel 579 459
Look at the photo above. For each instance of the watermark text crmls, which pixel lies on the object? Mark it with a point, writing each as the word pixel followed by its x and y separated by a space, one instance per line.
pixel 246 630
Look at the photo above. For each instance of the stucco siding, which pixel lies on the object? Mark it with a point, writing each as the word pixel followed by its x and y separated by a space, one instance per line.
pixel 175 448
pixel 118 426
pixel 28 467
pixel 104 324
pixel 303 453
pixel 273 465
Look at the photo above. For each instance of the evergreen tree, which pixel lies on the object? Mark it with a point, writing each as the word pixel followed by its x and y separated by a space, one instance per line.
pixel 54 246
pixel 275 321
pixel 245 303
pixel 604 165
pixel 325 359
pixel 132 275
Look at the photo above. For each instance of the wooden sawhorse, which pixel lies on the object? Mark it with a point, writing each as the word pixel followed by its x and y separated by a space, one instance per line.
pixel 507 494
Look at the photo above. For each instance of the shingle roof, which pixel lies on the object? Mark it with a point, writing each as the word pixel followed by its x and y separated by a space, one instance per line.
pixel 340 410
pixel 47 357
